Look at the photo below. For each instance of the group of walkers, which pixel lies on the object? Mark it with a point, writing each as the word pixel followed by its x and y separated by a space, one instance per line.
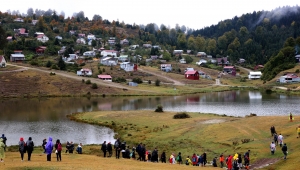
pixel 278 139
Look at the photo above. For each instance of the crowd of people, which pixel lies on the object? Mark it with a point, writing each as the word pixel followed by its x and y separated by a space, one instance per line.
pixel 140 153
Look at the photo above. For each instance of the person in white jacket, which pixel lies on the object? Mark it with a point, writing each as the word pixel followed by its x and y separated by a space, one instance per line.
pixel 280 140
pixel 272 148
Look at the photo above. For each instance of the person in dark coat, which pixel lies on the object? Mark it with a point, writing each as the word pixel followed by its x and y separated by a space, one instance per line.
pixel 143 152
pixel 67 147
pixel 22 148
pixel 4 141
pixel 123 148
pixel 138 150
pixel 58 148
pixel 30 146
pixel 117 147
pixel 49 148
pixel 104 148
pixel 284 150
pixel 127 153
pixel 44 144
pixel 272 129
pixel 109 149
pixel 79 149
pixel 72 147
pixel 204 159
pixel 215 162
pixel 133 153
pixel 154 157
pixel 163 157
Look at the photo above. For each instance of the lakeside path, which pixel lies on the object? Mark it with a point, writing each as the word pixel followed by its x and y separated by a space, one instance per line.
pixel 79 78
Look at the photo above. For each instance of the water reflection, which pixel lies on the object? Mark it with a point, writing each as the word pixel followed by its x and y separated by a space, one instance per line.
pixel 40 118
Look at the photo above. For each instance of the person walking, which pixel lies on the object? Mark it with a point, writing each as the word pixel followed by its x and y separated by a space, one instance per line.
pixel 72 147
pixel 194 159
pixel 247 158
pixel 204 159
pixel 154 157
pixel 214 164
pixel 2 149
pixel 49 148
pixel 117 148
pixel 4 140
pixel 79 148
pixel 229 162
pixel 291 117
pixel 272 129
pixel 280 140
pixel 284 150
pixel 109 149
pixel 58 149
pixel 275 138
pixel 29 145
pixel 179 158
pixel 240 161
pixel 272 148
pixel 22 148
pixel 104 148
pixel 221 160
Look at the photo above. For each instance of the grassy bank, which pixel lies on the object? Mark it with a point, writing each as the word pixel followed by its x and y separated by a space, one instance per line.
pixel 208 133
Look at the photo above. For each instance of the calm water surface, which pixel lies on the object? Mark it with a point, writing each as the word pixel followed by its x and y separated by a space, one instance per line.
pixel 40 118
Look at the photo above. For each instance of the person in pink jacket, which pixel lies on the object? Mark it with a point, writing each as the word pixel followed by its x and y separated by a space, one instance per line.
pixel 229 162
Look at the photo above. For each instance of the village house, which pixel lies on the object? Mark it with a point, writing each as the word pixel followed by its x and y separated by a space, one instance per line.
pixel 254 75
pixel 156 46
pixel 18 20
pixel 127 66
pixel 201 62
pixel 182 61
pixel 81 35
pixel 202 74
pixel 147 46
pixel 84 72
pixel 17 57
pixel 214 61
pixel 297 57
pixel 166 67
pixel 154 57
pixel 109 61
pixel 72 32
pixel 9 39
pixel 58 37
pixel 178 52
pixel 21 32
pixel 133 47
pixel 124 42
pixel 289 78
pixel 2 61
pixel 192 75
pixel 105 77
pixel 80 41
pixel 42 38
pixel 241 61
pixel 111 41
pixel 223 61
pixel 62 50
pixel 113 53
pixel 123 58
pixel 71 57
pixel 230 70
pixel 89 53
pixel 34 22
pixel 91 37
pixel 201 54
pixel 40 50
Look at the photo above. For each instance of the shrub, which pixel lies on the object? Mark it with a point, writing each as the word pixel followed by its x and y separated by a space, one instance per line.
pixel 48 64
pixel 94 86
pixel 149 81
pixel 119 79
pixel 182 115
pixel 88 82
pixel 159 108
pixel 52 74
pixel 34 63
pixel 103 70
pixel 137 80
pixel 82 80
pixel 157 82
pixel 297 71
pixel 54 66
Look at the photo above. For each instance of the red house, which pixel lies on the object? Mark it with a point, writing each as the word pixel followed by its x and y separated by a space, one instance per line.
pixel 192 75
pixel 40 50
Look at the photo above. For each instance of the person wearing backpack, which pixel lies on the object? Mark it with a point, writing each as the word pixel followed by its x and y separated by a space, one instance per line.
pixel 30 146
pixel 194 159
pixel 179 158
pixel 188 161
pixel 109 149
pixel 58 149
pixel 22 148
pixel 117 146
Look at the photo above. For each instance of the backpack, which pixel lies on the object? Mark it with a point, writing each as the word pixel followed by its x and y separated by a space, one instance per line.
pixel 116 145
pixel 177 158
pixel 187 162
pixel 194 159
pixel 59 147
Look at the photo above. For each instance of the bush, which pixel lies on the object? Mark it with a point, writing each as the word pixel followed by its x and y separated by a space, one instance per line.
pixel 88 82
pixel 48 64
pixel 82 80
pixel 159 108
pixel 52 74
pixel 157 82
pixel 137 80
pixel 54 66
pixel 94 86
pixel 119 79
pixel 182 115
pixel 149 81
pixel 297 71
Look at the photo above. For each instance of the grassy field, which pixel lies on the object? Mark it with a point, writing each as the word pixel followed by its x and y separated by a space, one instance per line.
pixel 213 134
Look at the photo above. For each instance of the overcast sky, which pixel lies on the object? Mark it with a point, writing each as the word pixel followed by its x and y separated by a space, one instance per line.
pixel 194 14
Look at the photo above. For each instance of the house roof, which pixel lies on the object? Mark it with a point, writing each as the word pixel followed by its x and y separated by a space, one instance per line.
pixel 166 65
pixel 17 55
pixel 18 51
pixel 9 38
pixel 220 59
pixel 291 76
pixel 86 69
pixel 113 51
pixel 102 76
pixel 1 58
pixel 228 67
pixel 191 72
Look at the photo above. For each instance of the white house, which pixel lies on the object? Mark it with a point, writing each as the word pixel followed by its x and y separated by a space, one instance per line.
pixel 202 61
pixel 80 41
pixel 17 57
pixel 2 61
pixel 91 37
pixel 166 67
pixel 58 37
pixel 124 42
pixel 177 52
pixel 254 75
pixel 89 53
pixel 123 58
pixel 182 61
pixel 297 57
pixel 133 47
pixel 289 78
pixel 71 57
pixel 105 53
pixel 43 38
pixel 201 54
pixel 109 61
pixel 127 66
pixel 33 22
pixel 84 72
pixel 18 20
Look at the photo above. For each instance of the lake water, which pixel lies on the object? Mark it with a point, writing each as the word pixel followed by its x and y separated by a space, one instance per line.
pixel 41 118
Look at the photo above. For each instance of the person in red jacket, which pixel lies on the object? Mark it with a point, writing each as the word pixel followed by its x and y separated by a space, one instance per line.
pixel 229 162
pixel 194 159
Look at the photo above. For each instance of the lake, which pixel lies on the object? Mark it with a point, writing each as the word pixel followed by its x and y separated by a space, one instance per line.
pixel 41 118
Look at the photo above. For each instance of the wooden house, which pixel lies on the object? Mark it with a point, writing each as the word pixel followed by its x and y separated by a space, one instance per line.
pixel 192 75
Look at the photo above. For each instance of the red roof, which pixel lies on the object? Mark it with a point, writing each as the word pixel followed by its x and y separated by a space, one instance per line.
pixel 291 76
pixel 190 72
pixel 104 76
pixel 22 30
pixel 40 36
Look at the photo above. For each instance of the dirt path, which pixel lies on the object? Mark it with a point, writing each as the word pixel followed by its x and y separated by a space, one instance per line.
pixel 177 83
pixel 72 76
pixel 264 163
